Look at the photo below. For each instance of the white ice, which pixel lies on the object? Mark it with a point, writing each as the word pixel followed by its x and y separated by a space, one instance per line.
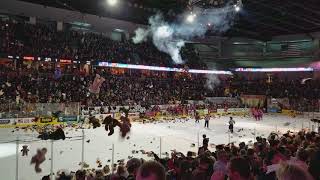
pixel 174 135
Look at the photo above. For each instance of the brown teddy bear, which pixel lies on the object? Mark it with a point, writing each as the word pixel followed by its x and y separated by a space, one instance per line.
pixel 94 121
pixel 24 150
pixel 110 123
pixel 38 159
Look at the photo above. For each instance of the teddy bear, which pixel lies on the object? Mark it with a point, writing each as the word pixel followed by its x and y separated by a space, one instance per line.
pixel 38 159
pixel 125 126
pixel 24 150
pixel 110 123
pixel 94 121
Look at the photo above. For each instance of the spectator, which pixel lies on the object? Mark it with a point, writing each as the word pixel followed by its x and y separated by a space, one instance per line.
pixel 203 149
pixel 45 178
pixel 151 170
pixel 132 167
pixel 302 158
pixel 239 169
pixel 315 164
pixel 202 171
pixel 221 163
pixel 80 175
pixel 292 172
pixel 121 173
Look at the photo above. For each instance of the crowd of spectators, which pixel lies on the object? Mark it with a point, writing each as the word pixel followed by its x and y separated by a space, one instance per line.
pixel 41 85
pixel 280 87
pixel 43 40
pixel 35 87
pixel 289 156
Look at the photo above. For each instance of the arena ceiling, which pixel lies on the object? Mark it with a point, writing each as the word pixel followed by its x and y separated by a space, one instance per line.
pixel 258 19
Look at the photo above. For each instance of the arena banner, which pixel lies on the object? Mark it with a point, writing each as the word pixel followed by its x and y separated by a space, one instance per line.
pixel 242 110
pixel 13 122
pixel 221 100
pixel 253 100
pixel 233 110
pixel 42 120
pixel 203 112
pixel 195 102
pixel 5 121
pixel 24 121
pixel 45 119
pixel 68 119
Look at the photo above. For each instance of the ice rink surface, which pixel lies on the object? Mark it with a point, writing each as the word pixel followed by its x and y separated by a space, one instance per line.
pixel 158 137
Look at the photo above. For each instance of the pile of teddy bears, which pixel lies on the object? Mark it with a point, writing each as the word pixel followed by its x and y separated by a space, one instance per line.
pixel 56 134
pixel 110 123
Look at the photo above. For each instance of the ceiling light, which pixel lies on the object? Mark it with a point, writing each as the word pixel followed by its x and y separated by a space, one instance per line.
pixel 191 17
pixel 237 8
pixel 112 2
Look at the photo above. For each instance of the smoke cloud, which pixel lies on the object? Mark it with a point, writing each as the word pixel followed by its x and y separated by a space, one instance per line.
pixel 141 35
pixel 212 81
pixel 171 37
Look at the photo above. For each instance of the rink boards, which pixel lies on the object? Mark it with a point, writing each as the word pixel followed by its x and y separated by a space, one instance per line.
pixel 41 121
pixel 23 122
pixel 38 121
